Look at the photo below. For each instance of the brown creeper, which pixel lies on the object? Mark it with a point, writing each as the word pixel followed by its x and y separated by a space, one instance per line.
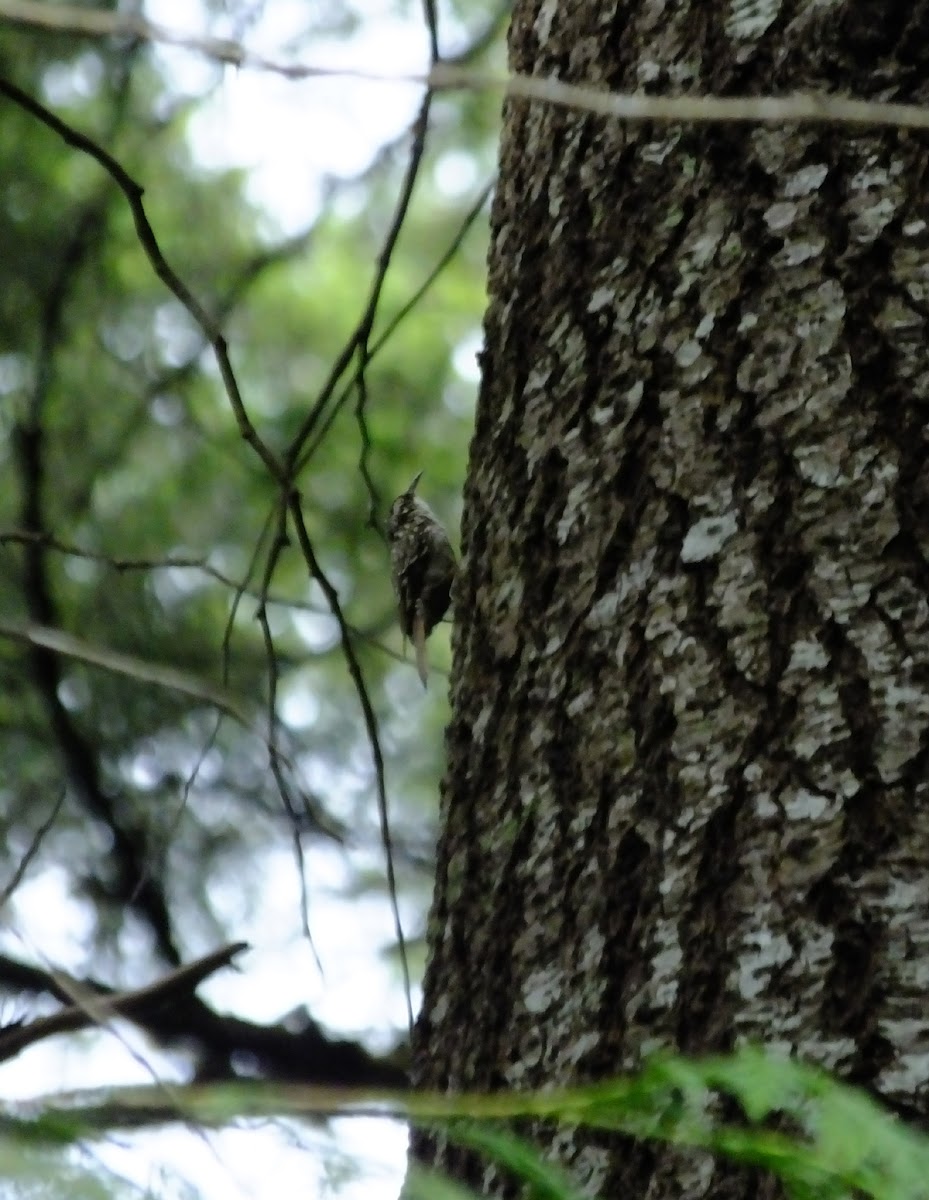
pixel 423 566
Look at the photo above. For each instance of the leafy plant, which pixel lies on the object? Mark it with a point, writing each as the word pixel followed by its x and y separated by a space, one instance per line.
pixel 820 1137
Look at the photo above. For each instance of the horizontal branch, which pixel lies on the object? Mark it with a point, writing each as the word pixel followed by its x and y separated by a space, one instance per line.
pixel 800 109
pixel 768 110
pixel 176 562
pixel 169 562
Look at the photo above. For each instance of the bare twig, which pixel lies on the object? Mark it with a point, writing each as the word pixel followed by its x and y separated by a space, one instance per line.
pixel 397 319
pixel 170 562
pixel 23 865
pixel 179 562
pixel 806 109
pixel 362 330
pixel 432 26
pixel 283 787
pixel 147 239
pixel 370 720
pixel 357 344
pixel 363 334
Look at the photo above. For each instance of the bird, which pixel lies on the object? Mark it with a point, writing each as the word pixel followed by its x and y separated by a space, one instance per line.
pixel 423 567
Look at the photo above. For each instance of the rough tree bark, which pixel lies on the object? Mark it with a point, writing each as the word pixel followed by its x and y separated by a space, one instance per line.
pixel 687 802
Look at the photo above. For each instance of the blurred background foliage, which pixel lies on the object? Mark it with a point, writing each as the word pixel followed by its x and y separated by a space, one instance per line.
pixel 134 517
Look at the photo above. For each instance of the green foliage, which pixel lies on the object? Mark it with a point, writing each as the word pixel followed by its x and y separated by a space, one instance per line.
pixel 820 1137
pixel 518 1158
pixel 37 1173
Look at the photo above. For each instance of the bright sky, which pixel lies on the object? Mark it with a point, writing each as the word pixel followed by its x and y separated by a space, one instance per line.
pixel 357 993
pixel 291 134
pixel 288 136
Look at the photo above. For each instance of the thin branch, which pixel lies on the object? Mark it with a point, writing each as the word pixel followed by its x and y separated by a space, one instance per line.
pixel 806 109
pixel 362 329
pixel 432 27
pixel 87 1111
pixel 371 727
pixel 147 239
pixel 420 129
pixel 356 343
pixel 169 562
pixel 771 110
pixel 283 787
pixel 246 274
pixel 24 863
pixel 96 23
pixel 397 319
pixel 179 562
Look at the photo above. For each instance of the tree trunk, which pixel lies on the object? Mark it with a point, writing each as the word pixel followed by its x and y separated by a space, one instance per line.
pixel 686 799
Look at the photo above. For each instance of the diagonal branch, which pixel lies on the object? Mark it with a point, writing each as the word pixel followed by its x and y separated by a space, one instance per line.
pixel 292 1051
pixel 399 317
pixel 357 341
pixel 32 850
pixel 363 335
pixel 92 1007
pixel 147 239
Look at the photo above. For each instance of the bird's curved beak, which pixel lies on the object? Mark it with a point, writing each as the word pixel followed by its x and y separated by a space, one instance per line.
pixel 412 488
